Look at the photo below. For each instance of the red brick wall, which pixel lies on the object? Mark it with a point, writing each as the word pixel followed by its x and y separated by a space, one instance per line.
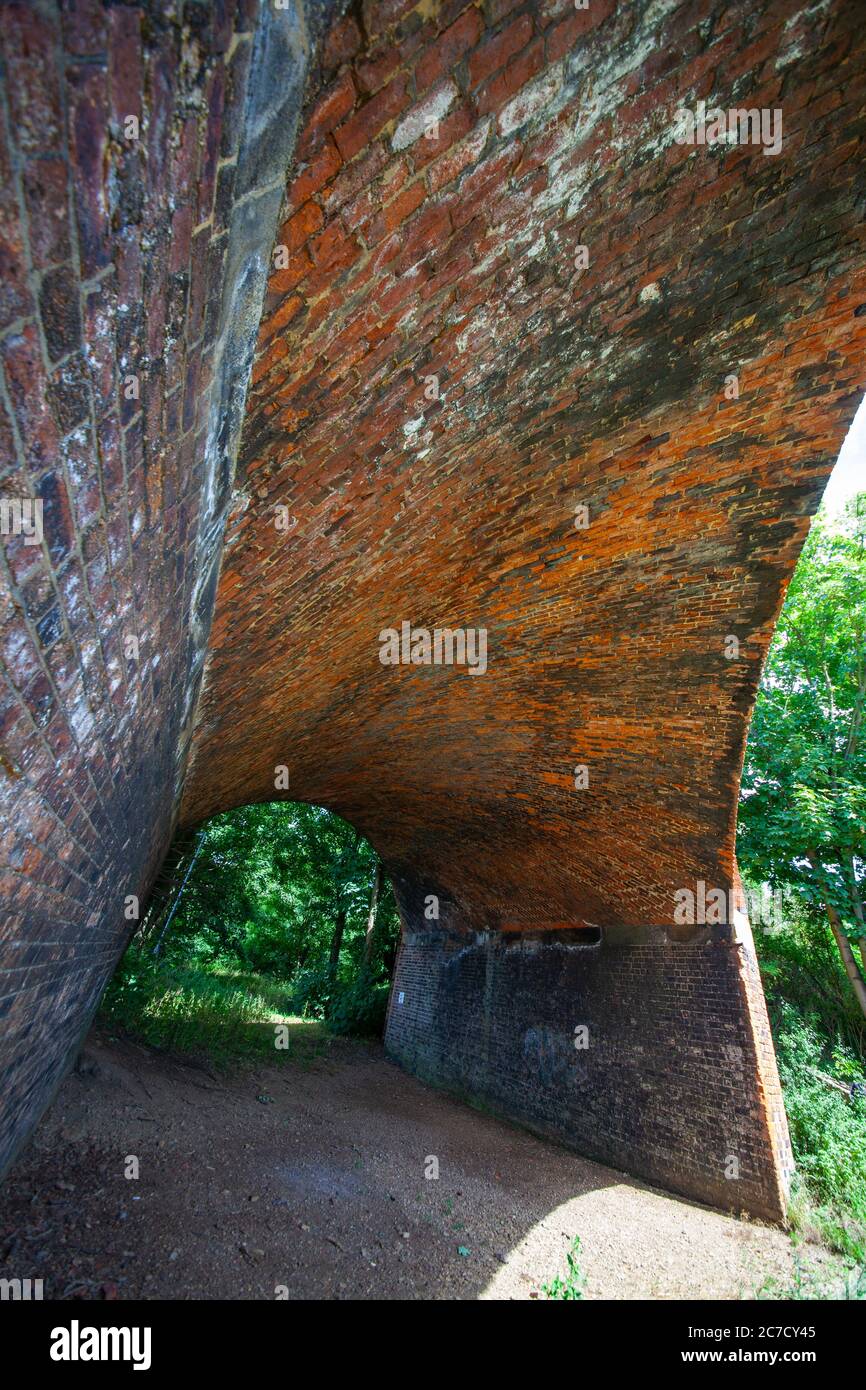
pixel 669 1080
pixel 121 257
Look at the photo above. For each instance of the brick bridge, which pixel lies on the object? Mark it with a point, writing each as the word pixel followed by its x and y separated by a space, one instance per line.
pixel 317 321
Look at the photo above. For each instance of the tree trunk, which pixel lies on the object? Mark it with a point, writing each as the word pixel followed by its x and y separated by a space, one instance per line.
pixel 371 918
pixel 189 868
pixel 858 913
pixel 165 886
pixel 852 970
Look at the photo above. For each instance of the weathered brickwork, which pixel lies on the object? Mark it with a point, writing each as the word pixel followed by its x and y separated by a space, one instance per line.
pixel 666 1082
pixel 413 251
pixel 407 258
pixel 130 176
pixel 440 378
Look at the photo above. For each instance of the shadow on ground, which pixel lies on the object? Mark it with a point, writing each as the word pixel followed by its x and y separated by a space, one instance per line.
pixel 306 1179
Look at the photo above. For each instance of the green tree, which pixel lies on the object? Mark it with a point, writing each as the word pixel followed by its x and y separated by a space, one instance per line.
pixel 802 822
pixel 278 887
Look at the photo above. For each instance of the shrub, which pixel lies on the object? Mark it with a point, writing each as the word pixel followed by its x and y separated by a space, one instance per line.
pixel 359 1008
pixel 311 992
pixel 818 1028
pixel 828 1131
pixel 188 1009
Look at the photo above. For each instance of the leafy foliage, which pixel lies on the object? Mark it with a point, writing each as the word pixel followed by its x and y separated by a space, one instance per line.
pixel 218 1015
pixel 803 814
pixel 572 1287
pixel 800 967
pixel 828 1130
pixel 819 1037
pixel 268 886
pixel 266 889
pixel 270 924
pixel 359 1008
pixel 802 829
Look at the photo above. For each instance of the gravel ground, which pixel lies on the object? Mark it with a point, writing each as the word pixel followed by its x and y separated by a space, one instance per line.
pixel 306 1179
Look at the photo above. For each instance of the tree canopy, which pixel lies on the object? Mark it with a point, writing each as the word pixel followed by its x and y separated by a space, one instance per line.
pixel 802 823
pixel 280 887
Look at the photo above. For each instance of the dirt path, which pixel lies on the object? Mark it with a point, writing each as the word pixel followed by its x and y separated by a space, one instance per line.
pixel 310 1175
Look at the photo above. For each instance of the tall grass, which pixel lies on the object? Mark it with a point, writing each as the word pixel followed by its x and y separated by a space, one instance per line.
pixel 217 1011
pixel 220 1014
pixel 817 1029
pixel 828 1134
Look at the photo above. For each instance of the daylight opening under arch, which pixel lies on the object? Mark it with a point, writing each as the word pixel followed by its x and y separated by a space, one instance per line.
pixel 276 913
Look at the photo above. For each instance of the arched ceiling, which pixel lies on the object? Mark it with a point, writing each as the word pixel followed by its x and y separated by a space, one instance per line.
pixel 453 160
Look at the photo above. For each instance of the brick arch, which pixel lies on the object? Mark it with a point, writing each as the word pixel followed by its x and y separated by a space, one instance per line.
pixel 405 258
pixel 411 252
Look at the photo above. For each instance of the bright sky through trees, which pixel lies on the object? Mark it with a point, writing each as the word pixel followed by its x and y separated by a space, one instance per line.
pixel 849 475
